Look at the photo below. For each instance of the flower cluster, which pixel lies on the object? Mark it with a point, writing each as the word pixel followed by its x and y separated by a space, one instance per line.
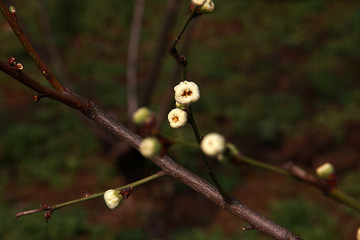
pixel 185 93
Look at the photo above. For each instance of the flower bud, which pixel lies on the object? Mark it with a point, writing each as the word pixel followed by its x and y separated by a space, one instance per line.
pixel 208 7
pixel 19 67
pixel 150 147
pixel 12 61
pixel 141 115
pixel 12 10
pixel 186 92
pixel 112 198
pixel 358 234
pixel 213 144
pixel 325 170
pixel 177 118
pixel 198 2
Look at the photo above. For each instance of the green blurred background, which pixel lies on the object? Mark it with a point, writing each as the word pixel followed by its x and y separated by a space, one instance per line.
pixel 280 79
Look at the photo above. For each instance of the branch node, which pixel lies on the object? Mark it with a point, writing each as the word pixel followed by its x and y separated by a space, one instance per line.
pixel 37 97
pixel 126 192
pixel 248 228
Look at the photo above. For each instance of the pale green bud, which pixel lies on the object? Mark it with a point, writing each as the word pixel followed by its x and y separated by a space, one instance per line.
pixel 208 7
pixel 112 198
pixel 141 115
pixel 150 147
pixel 325 170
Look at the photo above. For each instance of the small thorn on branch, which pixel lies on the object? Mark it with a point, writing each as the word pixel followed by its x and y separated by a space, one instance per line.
pixel 12 61
pixel 126 192
pixel 43 207
pixel 37 97
pixel 183 61
pixel 248 228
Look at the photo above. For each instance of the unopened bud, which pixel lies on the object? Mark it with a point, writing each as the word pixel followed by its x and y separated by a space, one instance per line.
pixel 112 198
pixel 325 171
pixel 150 147
pixel 19 67
pixel 358 234
pixel 12 10
pixel 213 144
pixel 208 7
pixel 141 115
pixel 198 2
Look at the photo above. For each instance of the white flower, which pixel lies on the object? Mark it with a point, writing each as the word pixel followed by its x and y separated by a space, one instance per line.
pixel 112 198
pixel 150 147
pixel 186 92
pixel 177 118
pixel 213 144
pixel 141 115
pixel 208 7
pixel 325 170
pixel 198 2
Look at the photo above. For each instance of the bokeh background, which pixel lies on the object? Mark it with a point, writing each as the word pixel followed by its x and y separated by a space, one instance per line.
pixel 280 79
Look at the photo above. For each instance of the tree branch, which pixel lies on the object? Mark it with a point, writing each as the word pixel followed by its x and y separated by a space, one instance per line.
pixel 170 167
pixel 12 20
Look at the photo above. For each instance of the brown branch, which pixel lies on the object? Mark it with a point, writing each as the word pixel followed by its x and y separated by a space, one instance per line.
pixel 170 167
pixel 69 98
pixel 93 112
pixel 12 20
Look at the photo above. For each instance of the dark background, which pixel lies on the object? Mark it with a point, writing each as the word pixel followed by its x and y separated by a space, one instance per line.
pixel 280 79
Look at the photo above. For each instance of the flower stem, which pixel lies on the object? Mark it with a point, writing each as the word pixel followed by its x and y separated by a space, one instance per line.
pixel 92 196
pixel 207 165
pixel 301 175
pixel 100 194
pixel 183 27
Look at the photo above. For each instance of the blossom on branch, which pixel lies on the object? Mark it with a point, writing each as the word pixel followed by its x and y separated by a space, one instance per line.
pixel 177 118
pixel 150 147
pixel 112 198
pixel 213 144
pixel 186 92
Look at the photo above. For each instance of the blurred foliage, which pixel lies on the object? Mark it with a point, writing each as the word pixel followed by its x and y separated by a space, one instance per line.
pixel 270 73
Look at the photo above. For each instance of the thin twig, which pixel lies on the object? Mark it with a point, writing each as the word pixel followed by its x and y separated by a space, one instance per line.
pixel 12 20
pixel 206 162
pixel 88 197
pixel 297 173
pixel 170 167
